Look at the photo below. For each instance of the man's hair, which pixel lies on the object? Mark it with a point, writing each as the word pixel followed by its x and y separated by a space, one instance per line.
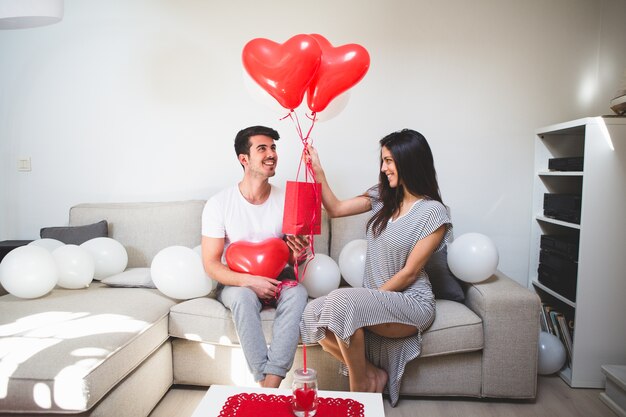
pixel 242 140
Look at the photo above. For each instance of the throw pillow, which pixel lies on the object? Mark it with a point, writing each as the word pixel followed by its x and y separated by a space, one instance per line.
pixel 131 278
pixel 445 285
pixel 76 235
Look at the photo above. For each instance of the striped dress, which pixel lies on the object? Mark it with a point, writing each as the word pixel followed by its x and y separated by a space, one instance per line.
pixel 345 310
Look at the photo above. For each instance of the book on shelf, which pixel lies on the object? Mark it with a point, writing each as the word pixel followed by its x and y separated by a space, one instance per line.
pixel 546 319
pixel 554 322
pixel 567 338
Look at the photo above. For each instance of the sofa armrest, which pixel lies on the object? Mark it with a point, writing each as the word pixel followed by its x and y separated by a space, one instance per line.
pixel 510 315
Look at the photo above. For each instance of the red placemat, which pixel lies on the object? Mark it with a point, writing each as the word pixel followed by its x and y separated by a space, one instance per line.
pixel 270 405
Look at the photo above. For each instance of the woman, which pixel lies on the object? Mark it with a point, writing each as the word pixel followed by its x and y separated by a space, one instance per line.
pixel 376 330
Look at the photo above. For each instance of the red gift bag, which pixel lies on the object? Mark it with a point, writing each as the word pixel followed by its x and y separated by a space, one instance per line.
pixel 303 208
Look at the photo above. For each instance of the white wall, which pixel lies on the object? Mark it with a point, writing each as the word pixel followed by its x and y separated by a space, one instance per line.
pixel 140 101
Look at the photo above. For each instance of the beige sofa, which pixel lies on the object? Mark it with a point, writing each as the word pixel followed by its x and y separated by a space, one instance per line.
pixel 106 351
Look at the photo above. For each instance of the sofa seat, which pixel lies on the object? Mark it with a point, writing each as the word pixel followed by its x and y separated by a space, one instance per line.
pixel 66 351
pixel 206 347
pixel 456 328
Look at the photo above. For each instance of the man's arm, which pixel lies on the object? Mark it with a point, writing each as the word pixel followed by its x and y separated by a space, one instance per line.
pixel 212 249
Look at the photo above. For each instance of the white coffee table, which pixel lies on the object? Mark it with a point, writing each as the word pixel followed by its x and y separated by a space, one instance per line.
pixel 215 398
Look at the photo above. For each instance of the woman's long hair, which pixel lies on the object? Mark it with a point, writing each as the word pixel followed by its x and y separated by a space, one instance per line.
pixel 416 172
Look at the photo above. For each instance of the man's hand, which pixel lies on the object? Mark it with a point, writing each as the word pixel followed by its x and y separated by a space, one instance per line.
pixel 298 245
pixel 264 288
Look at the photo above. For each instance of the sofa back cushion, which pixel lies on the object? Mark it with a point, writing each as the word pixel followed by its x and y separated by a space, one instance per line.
pixel 346 229
pixel 145 228
pixel 321 242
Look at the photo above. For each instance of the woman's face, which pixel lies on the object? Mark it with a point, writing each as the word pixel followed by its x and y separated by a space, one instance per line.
pixel 388 167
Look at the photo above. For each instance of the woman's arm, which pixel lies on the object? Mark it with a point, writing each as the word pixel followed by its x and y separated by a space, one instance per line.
pixel 415 262
pixel 334 206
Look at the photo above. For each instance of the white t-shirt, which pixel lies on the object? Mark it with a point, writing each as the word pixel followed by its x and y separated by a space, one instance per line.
pixel 229 215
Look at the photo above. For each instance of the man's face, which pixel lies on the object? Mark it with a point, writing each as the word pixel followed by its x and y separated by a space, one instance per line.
pixel 263 158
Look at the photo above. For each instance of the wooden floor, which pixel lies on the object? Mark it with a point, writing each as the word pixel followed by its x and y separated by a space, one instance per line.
pixel 554 398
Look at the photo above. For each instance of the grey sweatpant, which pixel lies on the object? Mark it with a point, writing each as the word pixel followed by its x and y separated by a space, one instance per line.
pixel 246 308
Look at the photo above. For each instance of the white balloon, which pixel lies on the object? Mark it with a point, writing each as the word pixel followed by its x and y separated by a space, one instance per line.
pixel 28 272
pixel 47 243
pixel 177 272
pixel 321 275
pixel 76 266
pixel 352 262
pixel 109 255
pixel 551 354
pixel 333 109
pixel 472 257
pixel 198 250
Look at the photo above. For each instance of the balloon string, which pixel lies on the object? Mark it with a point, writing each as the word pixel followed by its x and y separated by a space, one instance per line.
pixel 308 172
pixel 310 252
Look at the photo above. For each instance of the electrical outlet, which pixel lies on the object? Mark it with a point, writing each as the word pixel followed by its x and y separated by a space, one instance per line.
pixel 23 164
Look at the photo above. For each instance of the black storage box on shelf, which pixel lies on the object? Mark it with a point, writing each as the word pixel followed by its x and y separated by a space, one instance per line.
pixel 565 267
pixel 570 163
pixel 565 207
pixel 566 246
pixel 558 282
pixel 558 264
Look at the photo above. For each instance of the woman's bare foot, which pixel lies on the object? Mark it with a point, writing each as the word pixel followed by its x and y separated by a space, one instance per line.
pixel 374 381
pixel 381 378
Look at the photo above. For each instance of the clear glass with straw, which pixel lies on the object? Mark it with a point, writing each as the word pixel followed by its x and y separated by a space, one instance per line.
pixel 304 386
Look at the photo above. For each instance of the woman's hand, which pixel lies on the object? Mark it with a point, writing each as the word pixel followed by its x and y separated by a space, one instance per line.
pixel 334 207
pixel 312 157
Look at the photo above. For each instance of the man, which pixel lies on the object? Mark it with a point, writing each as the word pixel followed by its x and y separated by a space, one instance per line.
pixel 252 211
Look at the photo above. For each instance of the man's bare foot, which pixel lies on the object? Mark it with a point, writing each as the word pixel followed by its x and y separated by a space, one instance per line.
pixel 271 381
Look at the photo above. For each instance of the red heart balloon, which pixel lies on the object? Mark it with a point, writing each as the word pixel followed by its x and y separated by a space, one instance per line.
pixel 340 69
pixel 283 70
pixel 267 258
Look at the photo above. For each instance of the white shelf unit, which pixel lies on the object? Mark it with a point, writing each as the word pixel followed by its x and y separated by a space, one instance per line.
pixel 599 310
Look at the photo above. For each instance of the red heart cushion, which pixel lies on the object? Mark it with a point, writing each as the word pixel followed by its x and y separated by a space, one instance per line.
pixel 267 258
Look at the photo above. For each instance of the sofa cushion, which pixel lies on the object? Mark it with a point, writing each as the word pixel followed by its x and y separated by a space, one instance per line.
pixel 76 235
pixel 445 285
pixel 345 230
pixel 207 320
pixel 455 329
pixel 130 278
pixel 321 242
pixel 145 228
pixel 63 352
